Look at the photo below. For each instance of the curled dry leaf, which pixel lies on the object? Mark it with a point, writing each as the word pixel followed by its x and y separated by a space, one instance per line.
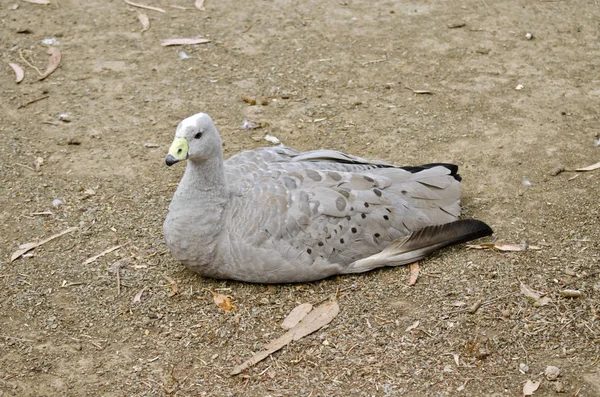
pixel 143 18
pixel 315 320
pixel 131 3
pixel 199 5
pixel 138 297
pixel 183 41
pixel 530 387
pixel 414 273
pixel 19 73
pixel 53 62
pixel 296 315
pixel 223 301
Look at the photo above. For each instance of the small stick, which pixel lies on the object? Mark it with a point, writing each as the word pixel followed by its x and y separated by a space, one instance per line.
pixel 29 64
pixel 475 307
pixel 118 280
pixel 33 101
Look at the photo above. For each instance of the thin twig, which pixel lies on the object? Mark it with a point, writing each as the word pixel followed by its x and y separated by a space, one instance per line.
pixel 33 101
pixel 118 281
pixel 29 64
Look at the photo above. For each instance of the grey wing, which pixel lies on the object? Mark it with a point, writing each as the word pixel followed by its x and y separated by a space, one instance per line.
pixel 325 207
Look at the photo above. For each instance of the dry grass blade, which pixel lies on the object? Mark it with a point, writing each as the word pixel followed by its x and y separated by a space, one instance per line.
pixel 296 315
pixel 504 247
pixel 40 2
pixel 107 251
pixel 199 5
pixel 24 248
pixel 19 73
pixel 143 18
pixel 589 168
pixel 314 321
pixel 422 92
pixel 53 62
pixel 183 41
pixel 131 3
pixel 414 273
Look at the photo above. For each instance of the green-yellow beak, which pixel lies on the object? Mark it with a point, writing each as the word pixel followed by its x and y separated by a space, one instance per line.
pixel 178 151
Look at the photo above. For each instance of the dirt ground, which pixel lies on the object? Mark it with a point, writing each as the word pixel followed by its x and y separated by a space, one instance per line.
pixel 337 74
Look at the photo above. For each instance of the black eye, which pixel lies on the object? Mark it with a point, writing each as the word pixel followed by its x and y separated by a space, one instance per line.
pixel 198 135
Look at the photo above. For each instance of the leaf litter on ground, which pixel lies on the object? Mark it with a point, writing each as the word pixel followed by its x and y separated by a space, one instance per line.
pixel 296 315
pixel 537 298
pixel 315 320
pixel 530 387
pixel 173 284
pixel 414 273
pixel 224 302
pixel 24 248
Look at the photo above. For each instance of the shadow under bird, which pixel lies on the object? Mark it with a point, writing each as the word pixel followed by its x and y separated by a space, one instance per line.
pixel 276 215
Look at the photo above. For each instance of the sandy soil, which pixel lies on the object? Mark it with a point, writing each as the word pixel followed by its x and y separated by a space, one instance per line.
pixel 337 75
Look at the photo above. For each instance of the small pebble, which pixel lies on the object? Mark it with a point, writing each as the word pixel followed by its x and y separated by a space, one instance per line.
pixel 272 139
pixel 183 55
pixel 519 87
pixel 523 368
pixel 57 202
pixel 64 117
pixel 528 36
pixel 552 372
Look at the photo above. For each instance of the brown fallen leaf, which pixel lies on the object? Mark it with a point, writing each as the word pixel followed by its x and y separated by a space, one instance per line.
pixel 296 315
pixel 538 299
pixel 530 387
pixel 199 5
pixel 24 248
pixel 414 273
pixel 40 2
pixel 143 18
pixel 19 73
pixel 183 41
pixel 315 320
pixel 224 302
pixel 53 62
pixel 589 168
pixel 131 3
pixel 138 297
pixel 107 251
pixel 174 287
pixel 504 247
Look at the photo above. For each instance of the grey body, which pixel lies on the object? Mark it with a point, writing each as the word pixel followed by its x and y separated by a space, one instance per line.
pixel 276 215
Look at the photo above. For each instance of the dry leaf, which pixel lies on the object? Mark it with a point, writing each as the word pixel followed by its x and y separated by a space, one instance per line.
pixel 296 315
pixel 169 42
pixel 570 293
pixel 41 2
pixel 223 301
pixel 589 168
pixel 413 326
pixel 199 5
pixel 53 62
pixel 23 248
pixel 143 18
pixel 420 91
pixel 131 3
pixel 537 298
pixel 138 297
pixel 414 273
pixel 108 251
pixel 19 73
pixel 530 387
pixel 174 287
pixel 314 321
